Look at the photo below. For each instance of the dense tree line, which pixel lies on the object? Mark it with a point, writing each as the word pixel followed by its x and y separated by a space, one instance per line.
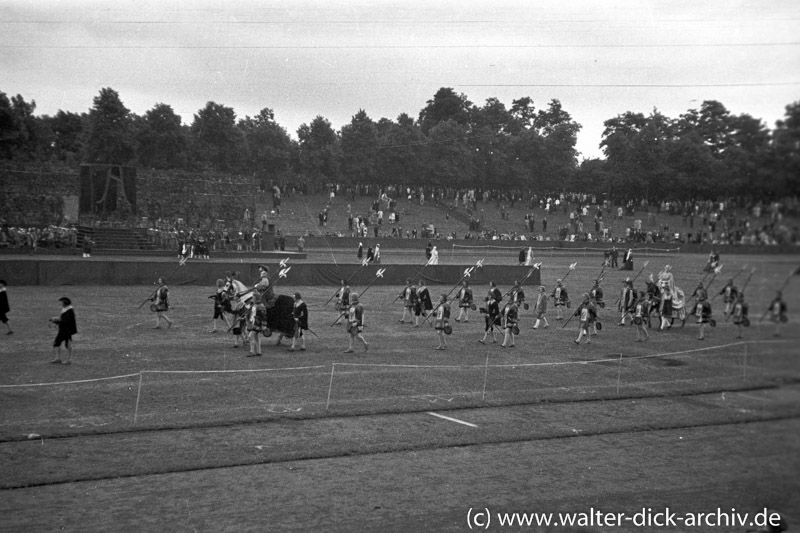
pixel 704 153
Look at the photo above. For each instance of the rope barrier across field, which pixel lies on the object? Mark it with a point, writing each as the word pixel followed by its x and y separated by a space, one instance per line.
pixel 618 358
pixel 539 250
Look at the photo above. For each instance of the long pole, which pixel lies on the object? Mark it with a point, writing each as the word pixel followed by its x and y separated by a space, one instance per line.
pixel 467 274
pixel 378 274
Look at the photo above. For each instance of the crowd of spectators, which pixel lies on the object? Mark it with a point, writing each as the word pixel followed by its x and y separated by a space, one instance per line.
pixel 33 238
pixel 169 203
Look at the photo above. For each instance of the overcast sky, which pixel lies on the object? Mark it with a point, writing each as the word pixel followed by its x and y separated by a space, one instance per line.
pixel 305 58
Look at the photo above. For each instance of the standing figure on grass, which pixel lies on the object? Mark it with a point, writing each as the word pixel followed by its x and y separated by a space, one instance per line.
pixel 464 302
pixel 540 308
pixel 423 304
pixel 4 307
pixel 492 311
pixel 409 297
pixel 729 296
pixel 665 308
pixel 627 300
pixel 219 298
pixel 640 313
pixel 517 295
pixel 161 305
pixel 560 299
pixel 588 314
pixel 441 320
pixel 702 311
pixel 355 323
pixel 256 315
pixel 300 314
pixel 510 327
pixel 67 327
pixel 343 297
pixel 777 312
pixel 739 313
pixel 360 252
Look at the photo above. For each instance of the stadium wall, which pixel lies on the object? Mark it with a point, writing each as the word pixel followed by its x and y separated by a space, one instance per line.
pixel 82 272
pixel 445 246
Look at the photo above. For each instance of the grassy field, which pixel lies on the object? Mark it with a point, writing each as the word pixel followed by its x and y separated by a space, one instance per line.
pixel 176 430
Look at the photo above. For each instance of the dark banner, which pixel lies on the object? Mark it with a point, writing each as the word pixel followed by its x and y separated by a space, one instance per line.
pixel 78 272
pixel 107 188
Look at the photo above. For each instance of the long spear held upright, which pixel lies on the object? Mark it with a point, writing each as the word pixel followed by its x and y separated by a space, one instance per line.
pixel 733 278
pixel 364 263
pixel 644 265
pixel 571 268
pixel 534 267
pixel 694 295
pixel 280 274
pixel 419 273
pixel 467 273
pixel 378 274
pixel 794 272
pixel 181 263
pixel 741 291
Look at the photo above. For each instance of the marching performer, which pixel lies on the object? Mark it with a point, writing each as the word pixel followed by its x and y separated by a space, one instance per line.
pixel 702 311
pixel 441 320
pixel 596 296
pixel 777 312
pixel 492 311
pixel 343 297
pixel 4 307
pixel 510 315
pixel 729 295
pixel 219 298
pixel 300 314
pixel 540 308
pixel 627 301
pixel 355 323
pixel 739 312
pixel 255 314
pixel 67 327
pixel 560 299
pixel 161 299
pixel 423 304
pixel 517 295
pixel 713 261
pixel 665 308
pixel 409 296
pixel 464 302
pixel 640 314
pixel 588 314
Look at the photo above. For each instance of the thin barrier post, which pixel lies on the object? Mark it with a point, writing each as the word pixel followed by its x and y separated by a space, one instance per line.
pixel 485 376
pixel 330 387
pixel 138 396
pixel 744 366
pixel 619 372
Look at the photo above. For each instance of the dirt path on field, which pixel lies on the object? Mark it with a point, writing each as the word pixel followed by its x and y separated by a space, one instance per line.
pixel 416 471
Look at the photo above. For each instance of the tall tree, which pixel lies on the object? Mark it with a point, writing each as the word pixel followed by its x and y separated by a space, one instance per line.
pixel 319 151
pixel 359 141
pixel 162 139
pixel 215 138
pixel 109 134
pixel 445 105
pixel 267 146
pixel 786 153
pixel 401 151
